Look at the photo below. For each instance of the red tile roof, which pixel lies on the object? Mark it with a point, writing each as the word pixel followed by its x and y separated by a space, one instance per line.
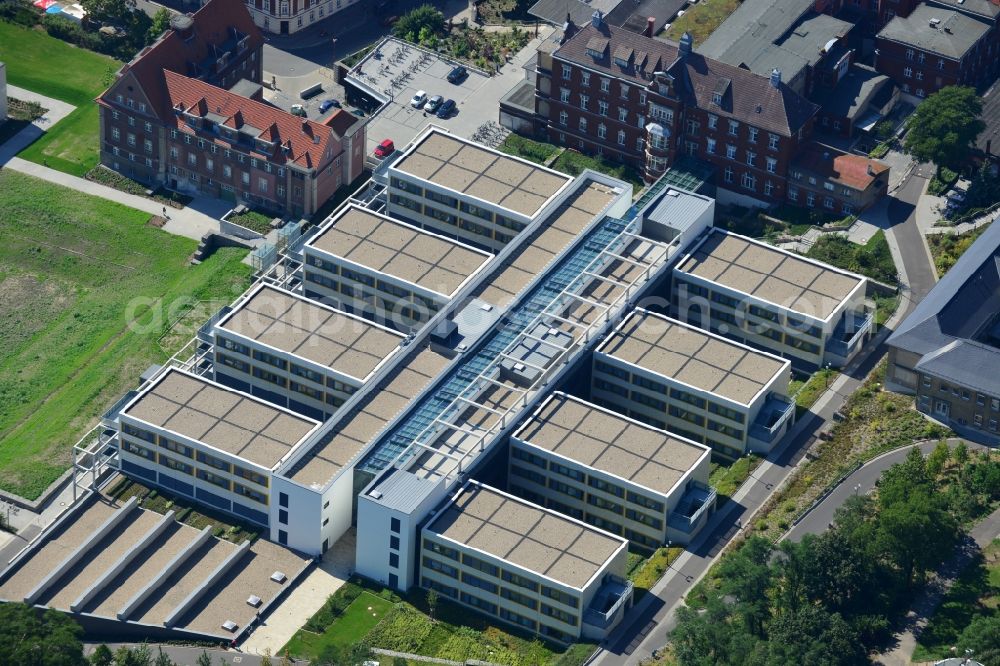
pixel 849 170
pixel 213 26
pixel 303 142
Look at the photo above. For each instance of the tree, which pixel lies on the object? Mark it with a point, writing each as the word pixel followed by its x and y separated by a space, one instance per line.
pixel 31 638
pixel 937 458
pixel 204 659
pixel 161 22
pixel 137 656
pixel 710 636
pixel 164 660
pixel 916 534
pixel 265 659
pixel 432 602
pixel 747 577
pixel 811 635
pixel 109 11
pixel 960 453
pixel 411 24
pixel 982 636
pixel 944 127
pixel 102 656
pixel 984 191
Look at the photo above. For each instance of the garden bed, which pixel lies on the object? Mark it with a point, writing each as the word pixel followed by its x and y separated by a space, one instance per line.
pixel 873 259
pixel 701 20
pixel 574 163
pixel 533 151
pixel 105 176
pixel 253 220
pixel 947 248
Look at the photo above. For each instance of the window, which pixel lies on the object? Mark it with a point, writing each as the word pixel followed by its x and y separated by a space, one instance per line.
pixel 227 171
pixel 810 199
pixel 710 146
pixel 828 203
pixel 768 188
pixel 909 54
pixel 940 64
pixel 753 134
pixel 734 127
pixel 731 151
pixel 192 159
pixel 394 560
pixel 728 174
pixel 772 141
pixel 283 537
pixel 585 78
pixel 583 124
pixel 624 93
pixel 567 71
pixel 908 72
pixel 394 525
pixel 602 107
pixel 793 194
pixel 262 185
pixel 717 98
pixel 920 92
pixel 622 114
pixel 621 137
pixel 772 165
pixel 640 144
pixel 131 139
pixel 283 516
pixel 564 95
pixel 749 181
pixel 602 131
pixel 751 158
pixel 713 121
pixel 584 101
pixel 116 133
pixel 563 117
pixel 605 84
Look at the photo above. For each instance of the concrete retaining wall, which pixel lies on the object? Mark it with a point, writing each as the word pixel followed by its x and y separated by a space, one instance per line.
pixel 212 578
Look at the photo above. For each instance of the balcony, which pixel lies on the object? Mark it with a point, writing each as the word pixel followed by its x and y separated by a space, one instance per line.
pixel 607 607
pixel 777 412
pixel 692 511
pixel 849 335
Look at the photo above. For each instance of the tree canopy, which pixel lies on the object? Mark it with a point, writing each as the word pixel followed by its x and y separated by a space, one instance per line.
pixel 944 127
pixel 33 638
pixel 419 24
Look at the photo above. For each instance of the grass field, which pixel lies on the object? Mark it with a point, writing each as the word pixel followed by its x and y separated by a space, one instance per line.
pixel 975 593
pixel 53 68
pixel 702 19
pixel 349 628
pixel 87 291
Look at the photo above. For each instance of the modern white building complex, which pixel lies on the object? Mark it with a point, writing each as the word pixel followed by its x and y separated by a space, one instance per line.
pixel 469 318
pixel 697 384
pixel 532 568
pixel 803 310
pixel 298 353
pixel 368 263
pixel 612 472
pixel 459 188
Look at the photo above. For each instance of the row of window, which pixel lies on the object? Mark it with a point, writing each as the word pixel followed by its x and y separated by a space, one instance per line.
pixel 335 400
pixel 461 222
pixel 407 311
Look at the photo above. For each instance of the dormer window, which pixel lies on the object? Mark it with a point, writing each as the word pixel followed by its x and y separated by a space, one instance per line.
pixel 595 54
pixel 621 62
pixel 717 99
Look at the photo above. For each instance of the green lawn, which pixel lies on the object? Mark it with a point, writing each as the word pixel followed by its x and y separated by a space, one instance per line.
pixel 645 573
pixel 975 593
pixel 726 478
pixel 535 151
pixel 87 292
pixel 702 19
pixel 348 629
pixel 52 67
pixel 873 259
pixel 573 163
pixel 404 624
pixel 806 393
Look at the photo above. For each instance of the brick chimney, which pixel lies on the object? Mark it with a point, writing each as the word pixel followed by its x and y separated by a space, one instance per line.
pixel 650 26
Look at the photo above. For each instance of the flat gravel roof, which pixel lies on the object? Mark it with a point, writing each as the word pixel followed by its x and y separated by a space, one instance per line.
pixel 584 433
pixel 771 274
pixel 525 535
pixel 486 174
pixel 400 250
pixel 230 421
pixel 692 356
pixel 296 325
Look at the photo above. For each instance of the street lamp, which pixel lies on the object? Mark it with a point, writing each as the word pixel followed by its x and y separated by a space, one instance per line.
pixel 826 375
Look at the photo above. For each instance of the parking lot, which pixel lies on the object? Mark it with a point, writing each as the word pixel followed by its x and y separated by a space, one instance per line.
pixel 396 71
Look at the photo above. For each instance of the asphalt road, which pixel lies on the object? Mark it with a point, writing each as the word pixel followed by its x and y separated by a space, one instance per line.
pixel 647 624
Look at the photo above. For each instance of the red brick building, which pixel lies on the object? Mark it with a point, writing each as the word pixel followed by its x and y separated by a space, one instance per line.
pixel 187 113
pixel 644 102
pixel 934 47
pixel 836 182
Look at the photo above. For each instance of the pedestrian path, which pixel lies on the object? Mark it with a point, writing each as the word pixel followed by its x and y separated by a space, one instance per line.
pixel 193 221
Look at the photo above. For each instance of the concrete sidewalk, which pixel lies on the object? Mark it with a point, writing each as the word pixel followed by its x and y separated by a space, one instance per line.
pixel 200 217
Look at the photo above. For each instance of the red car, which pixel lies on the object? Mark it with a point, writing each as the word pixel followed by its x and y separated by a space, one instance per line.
pixel 385 148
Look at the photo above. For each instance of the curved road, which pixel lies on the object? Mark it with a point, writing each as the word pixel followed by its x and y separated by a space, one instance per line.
pixel 860 482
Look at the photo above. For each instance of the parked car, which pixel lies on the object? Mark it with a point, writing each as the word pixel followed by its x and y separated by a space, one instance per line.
pixel 433 104
pixel 419 99
pixel 299 110
pixel 384 149
pixel 446 109
pixel 458 74
pixel 329 104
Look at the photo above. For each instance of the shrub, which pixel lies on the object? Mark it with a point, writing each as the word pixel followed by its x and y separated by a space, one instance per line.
pixel 402 629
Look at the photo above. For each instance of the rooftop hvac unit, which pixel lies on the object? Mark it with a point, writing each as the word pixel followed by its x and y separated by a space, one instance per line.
pixel 253 600
pixel 279 577
pixel 230 626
